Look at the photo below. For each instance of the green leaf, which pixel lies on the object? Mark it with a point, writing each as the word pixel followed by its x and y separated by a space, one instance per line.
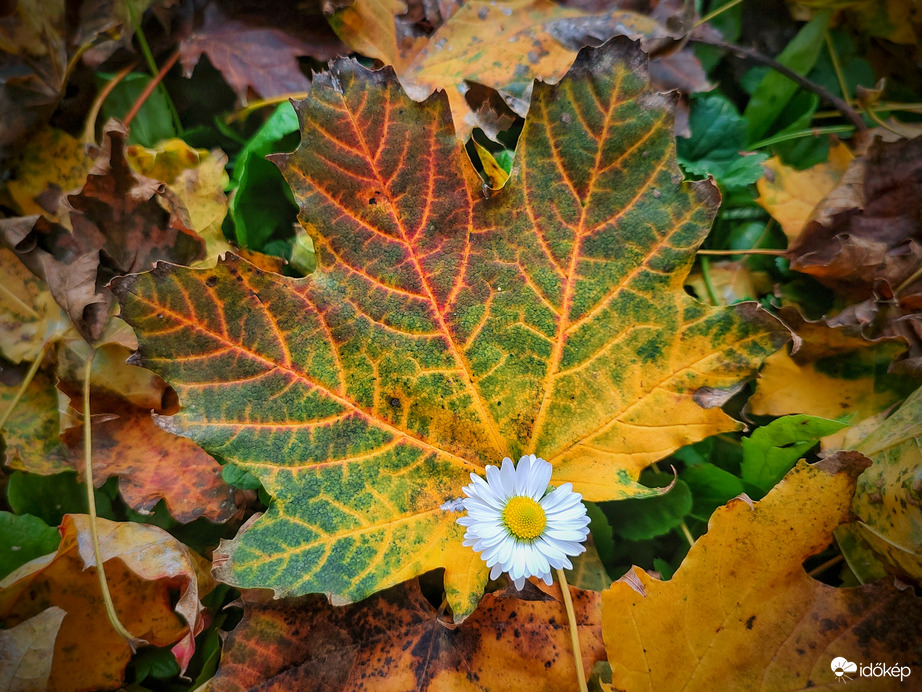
pixel 718 138
pixel 155 662
pixel 51 497
pixel 770 452
pixel 639 520
pixel 239 478
pixel 261 206
pixel 443 330
pixel 711 487
pixel 775 90
pixel 153 123
pixel 23 538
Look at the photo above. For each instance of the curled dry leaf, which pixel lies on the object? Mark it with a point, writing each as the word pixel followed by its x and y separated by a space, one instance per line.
pixel 443 331
pixel 34 58
pixel 395 640
pixel 144 565
pixel 121 222
pixel 868 230
pixel 741 612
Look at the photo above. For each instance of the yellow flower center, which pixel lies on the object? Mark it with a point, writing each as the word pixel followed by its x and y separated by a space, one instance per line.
pixel 524 518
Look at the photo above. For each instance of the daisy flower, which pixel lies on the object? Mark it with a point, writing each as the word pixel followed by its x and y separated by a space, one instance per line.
pixel 519 527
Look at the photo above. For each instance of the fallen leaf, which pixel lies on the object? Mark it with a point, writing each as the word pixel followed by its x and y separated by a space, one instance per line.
pixel 791 195
pixel 152 465
pixel 443 331
pixel 198 178
pixel 25 664
pixel 144 564
pixel 731 281
pixel 34 50
pixel 395 641
pixel 51 165
pixel 871 231
pixel 835 372
pixel 29 317
pixel 121 222
pixel 741 612
pixel 257 48
pixel 32 433
pixel 888 500
pixel 504 46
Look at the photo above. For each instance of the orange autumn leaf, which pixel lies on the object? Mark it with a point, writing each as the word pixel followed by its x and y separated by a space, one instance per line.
pixel 144 567
pixel 741 613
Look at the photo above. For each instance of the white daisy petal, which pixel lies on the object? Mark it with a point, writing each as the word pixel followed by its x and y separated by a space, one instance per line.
pixel 507 479
pixel 540 477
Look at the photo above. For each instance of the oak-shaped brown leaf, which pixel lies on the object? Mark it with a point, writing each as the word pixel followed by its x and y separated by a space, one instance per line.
pixel 144 567
pixel 122 222
pixel 741 613
pixel 152 464
pixel 395 641
pixel 257 49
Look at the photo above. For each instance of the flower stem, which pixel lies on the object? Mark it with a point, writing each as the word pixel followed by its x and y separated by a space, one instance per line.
pixel 36 364
pixel 133 641
pixel 574 634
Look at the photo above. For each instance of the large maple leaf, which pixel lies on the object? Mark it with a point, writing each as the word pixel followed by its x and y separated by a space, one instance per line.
pixel 444 330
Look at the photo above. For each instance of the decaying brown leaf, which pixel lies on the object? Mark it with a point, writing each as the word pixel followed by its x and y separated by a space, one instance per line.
pixel 514 641
pixel 256 49
pixel 122 222
pixel 868 230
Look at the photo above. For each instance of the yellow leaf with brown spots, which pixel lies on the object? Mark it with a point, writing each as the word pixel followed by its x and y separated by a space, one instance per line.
pixel 742 614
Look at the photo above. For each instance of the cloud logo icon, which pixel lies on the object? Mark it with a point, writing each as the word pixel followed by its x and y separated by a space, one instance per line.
pixel 840 666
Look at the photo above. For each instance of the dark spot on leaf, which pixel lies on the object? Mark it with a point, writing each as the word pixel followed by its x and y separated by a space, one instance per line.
pixel 752 619
pixel 211 281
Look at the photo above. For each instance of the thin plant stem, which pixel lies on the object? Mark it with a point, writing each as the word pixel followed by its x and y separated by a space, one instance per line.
pixel 812 132
pixel 880 121
pixel 36 364
pixel 752 251
pixel 837 66
pixel 89 132
pixel 839 104
pixel 149 89
pixel 574 633
pixel 915 276
pixel 152 66
pixel 819 569
pixel 253 106
pixel 716 13
pixel 706 276
pixel 687 534
pixel 133 641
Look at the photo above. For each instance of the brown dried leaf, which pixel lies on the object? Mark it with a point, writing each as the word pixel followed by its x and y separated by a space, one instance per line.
pixel 396 641
pixel 259 51
pixel 868 229
pixel 153 464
